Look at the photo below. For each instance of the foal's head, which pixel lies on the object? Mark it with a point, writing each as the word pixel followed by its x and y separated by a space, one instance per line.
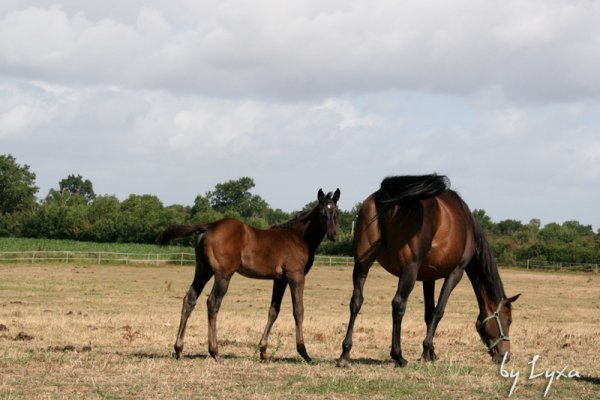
pixel 328 212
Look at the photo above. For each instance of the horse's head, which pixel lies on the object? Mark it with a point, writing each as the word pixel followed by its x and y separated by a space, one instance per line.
pixel 328 212
pixel 493 329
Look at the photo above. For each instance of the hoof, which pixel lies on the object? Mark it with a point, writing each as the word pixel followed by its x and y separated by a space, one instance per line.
pixel 401 363
pixel 178 353
pixel 342 362
pixel 429 357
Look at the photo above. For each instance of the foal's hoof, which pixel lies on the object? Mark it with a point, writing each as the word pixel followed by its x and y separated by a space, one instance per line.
pixel 302 351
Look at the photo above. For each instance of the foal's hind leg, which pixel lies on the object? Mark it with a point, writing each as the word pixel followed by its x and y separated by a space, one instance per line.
pixel 213 303
pixel 438 312
pixel 202 275
pixel 278 290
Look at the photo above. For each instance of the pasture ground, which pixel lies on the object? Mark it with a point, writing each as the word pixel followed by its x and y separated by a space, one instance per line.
pixel 81 331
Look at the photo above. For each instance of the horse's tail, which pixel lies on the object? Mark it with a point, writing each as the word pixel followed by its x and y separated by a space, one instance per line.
pixel 178 231
pixel 405 189
pixel 418 187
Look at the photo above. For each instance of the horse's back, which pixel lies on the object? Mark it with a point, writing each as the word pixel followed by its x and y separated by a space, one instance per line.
pixel 437 233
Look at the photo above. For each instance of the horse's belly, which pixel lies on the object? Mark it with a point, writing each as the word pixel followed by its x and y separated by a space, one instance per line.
pixel 431 273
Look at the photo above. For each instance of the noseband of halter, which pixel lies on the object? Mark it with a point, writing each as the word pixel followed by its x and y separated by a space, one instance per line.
pixel 494 316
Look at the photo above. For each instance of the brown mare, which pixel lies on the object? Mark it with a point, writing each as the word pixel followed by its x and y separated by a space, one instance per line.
pixel 283 253
pixel 419 229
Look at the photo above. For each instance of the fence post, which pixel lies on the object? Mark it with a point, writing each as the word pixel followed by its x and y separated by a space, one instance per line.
pixel 67 258
pixel 527 263
pixel 99 257
pixel 181 260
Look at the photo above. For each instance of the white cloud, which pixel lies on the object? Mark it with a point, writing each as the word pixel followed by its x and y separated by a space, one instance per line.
pixel 538 51
pixel 173 97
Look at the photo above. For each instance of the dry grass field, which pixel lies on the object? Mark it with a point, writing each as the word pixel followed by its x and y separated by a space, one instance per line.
pixel 107 332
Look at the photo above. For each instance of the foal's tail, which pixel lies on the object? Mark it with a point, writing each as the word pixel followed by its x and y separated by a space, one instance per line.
pixel 177 231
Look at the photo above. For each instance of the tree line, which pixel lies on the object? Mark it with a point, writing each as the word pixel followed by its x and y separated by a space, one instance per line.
pixel 73 211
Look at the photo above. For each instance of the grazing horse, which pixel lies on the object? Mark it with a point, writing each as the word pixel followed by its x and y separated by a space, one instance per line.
pixel 283 253
pixel 419 229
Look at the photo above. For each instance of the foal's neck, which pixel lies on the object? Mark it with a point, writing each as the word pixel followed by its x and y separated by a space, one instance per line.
pixel 310 230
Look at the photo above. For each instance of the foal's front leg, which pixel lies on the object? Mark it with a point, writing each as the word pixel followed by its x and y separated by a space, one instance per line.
pixel 278 290
pixel 297 289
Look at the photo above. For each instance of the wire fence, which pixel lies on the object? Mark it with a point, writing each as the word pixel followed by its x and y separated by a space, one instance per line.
pixel 112 258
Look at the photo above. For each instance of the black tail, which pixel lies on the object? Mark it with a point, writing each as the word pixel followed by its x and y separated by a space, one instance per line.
pixel 413 187
pixel 404 189
pixel 177 231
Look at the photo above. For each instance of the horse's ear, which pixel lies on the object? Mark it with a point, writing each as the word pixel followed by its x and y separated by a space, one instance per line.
pixel 320 195
pixel 336 196
pixel 513 299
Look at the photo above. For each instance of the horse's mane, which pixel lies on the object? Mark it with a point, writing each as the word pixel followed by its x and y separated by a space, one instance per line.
pixel 483 263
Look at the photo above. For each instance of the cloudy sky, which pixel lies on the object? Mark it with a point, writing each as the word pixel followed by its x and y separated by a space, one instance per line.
pixel 172 97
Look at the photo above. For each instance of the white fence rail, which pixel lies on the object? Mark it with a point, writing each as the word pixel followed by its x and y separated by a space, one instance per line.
pixel 183 258
pixel 105 257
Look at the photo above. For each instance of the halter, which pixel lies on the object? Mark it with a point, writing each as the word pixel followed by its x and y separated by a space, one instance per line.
pixel 494 316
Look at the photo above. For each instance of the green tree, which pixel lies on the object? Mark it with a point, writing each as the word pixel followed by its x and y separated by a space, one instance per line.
pixel 142 219
pixel 59 216
pixel 17 186
pixel 77 186
pixel 484 220
pixel 104 216
pixel 508 226
pixel 234 198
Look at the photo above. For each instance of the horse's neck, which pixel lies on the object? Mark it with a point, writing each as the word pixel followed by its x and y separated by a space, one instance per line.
pixel 488 295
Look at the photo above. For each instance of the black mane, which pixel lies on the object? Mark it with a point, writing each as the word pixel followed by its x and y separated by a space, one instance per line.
pixel 300 217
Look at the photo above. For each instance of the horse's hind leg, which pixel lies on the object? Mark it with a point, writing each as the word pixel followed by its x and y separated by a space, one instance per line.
pixel 213 303
pixel 297 289
pixel 438 312
pixel 428 297
pixel 406 283
pixel 202 275
pixel 278 290
pixel 359 276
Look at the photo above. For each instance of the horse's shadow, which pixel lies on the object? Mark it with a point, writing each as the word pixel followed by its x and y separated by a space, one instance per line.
pixel 273 360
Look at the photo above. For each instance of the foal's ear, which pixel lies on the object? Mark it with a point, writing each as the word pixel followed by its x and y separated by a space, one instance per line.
pixel 513 299
pixel 336 196
pixel 320 195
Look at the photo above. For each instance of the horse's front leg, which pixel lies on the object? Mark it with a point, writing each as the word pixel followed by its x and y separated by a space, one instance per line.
pixel 438 311
pixel 406 283
pixel 297 289
pixel 278 290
